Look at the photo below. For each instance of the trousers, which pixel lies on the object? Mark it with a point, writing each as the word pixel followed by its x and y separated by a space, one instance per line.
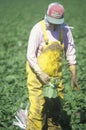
pixel 43 113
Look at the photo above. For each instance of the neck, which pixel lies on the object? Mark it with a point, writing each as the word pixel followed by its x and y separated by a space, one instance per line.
pixel 53 26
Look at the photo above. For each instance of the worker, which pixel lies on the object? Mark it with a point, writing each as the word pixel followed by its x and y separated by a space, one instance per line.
pixel 48 40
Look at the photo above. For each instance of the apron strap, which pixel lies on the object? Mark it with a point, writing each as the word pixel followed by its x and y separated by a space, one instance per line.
pixel 45 33
pixel 61 35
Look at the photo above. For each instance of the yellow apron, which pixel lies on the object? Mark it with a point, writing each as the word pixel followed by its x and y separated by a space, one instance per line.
pixel 50 60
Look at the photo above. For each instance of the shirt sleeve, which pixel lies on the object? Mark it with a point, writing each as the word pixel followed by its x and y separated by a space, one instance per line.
pixel 69 47
pixel 33 44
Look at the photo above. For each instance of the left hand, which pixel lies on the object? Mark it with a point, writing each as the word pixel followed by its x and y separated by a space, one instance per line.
pixel 74 83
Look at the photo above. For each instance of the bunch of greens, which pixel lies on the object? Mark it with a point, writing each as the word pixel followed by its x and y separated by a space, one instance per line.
pixel 50 90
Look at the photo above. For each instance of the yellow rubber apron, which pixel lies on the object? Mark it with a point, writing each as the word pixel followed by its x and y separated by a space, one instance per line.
pixel 50 60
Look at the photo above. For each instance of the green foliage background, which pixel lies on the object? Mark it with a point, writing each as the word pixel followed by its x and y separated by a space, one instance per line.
pixel 16 20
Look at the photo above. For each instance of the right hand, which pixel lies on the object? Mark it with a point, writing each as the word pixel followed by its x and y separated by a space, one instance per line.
pixel 44 77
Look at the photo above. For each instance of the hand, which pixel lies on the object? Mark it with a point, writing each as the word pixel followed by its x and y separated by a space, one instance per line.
pixel 44 77
pixel 74 83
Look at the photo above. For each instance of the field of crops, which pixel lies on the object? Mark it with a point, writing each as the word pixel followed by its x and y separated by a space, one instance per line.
pixel 16 20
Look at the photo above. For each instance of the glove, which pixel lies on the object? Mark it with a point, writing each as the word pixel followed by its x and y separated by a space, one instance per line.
pixel 43 76
pixel 72 69
pixel 74 82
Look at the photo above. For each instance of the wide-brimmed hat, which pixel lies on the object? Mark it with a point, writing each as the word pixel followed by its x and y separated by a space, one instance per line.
pixel 55 13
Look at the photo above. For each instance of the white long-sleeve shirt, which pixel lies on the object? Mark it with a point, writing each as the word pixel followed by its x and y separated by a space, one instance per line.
pixel 36 42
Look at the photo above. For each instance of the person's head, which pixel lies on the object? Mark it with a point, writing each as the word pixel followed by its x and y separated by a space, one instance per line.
pixel 55 14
